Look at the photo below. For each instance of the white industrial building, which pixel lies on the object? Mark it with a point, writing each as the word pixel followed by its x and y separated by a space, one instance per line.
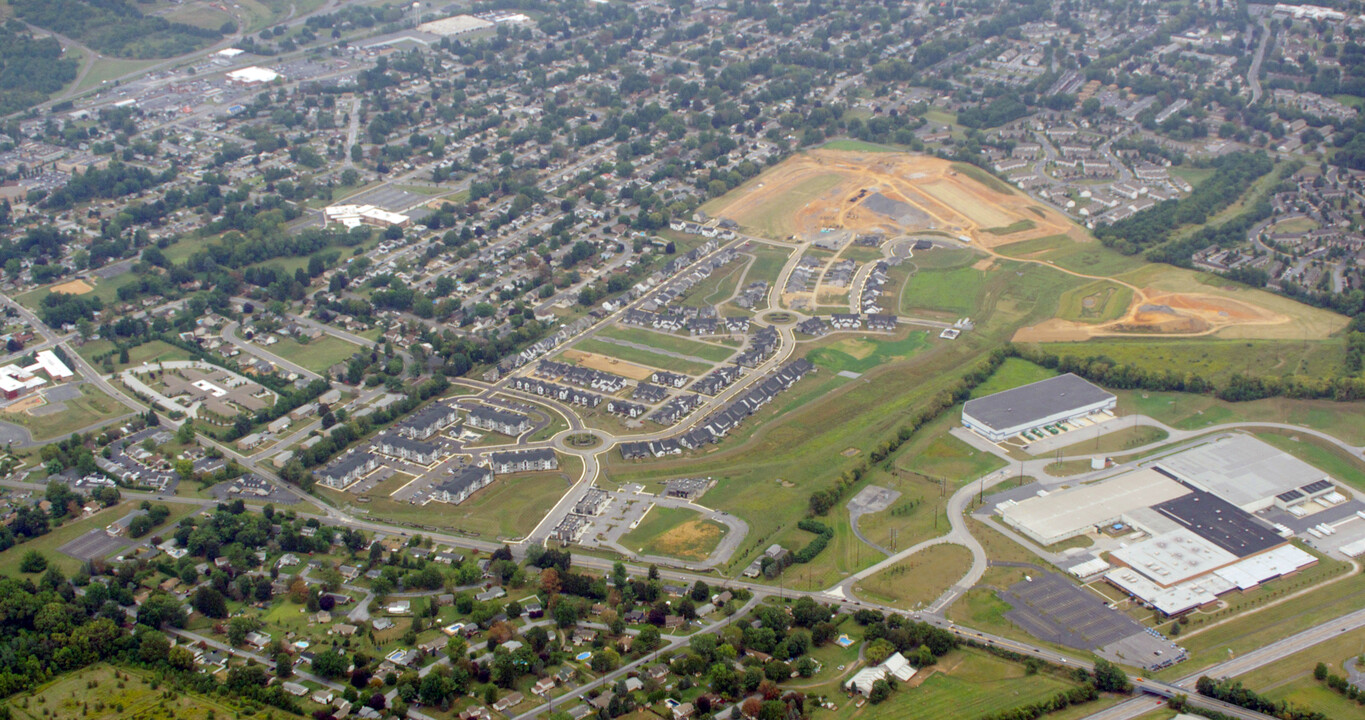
pixel 1064 398
pixel 1248 473
pixel 355 215
pixel 455 25
pixel 253 76
pixel 1054 517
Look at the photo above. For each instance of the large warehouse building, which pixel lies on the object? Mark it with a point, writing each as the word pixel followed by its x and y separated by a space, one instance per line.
pixel 1060 399
pixel 1190 535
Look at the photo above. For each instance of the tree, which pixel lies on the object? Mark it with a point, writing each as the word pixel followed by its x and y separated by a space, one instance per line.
pixel 160 610
pixel 330 664
pixel 1320 672
pixel 210 602
pixel 33 562
pixel 1109 678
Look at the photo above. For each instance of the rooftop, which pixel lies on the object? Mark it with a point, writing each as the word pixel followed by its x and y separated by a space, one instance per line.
pixel 1030 404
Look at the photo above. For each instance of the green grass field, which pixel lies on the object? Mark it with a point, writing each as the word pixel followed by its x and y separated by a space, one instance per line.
pixel 919 579
pixel 642 357
pixel 1090 258
pixel 317 354
pixel 857 146
pixel 716 288
pixel 1099 302
pixel 1014 227
pixel 72 529
pixel 957 291
pixel 860 354
pixel 1011 374
pixel 944 456
pixel 1124 438
pixel 1214 359
pixel 148 352
pixel 1345 421
pixel 92 407
pixel 508 508
pixel 984 177
pixel 667 341
pixel 674 532
pixel 966 683
pixel 93 693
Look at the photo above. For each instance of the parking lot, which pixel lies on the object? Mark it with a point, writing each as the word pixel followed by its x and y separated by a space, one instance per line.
pixel 1049 607
pixel 93 545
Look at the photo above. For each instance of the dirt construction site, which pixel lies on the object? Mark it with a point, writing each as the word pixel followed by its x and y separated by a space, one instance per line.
pixel 824 191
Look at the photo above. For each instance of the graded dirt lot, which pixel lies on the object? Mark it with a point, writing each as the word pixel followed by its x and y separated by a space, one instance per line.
pixel 1160 305
pixel 608 364
pixel 892 193
pixel 73 287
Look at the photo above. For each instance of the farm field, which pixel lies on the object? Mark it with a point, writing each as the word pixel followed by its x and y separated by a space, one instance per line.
pixel 919 579
pixel 317 354
pixel 674 532
pixel 667 341
pixel 641 357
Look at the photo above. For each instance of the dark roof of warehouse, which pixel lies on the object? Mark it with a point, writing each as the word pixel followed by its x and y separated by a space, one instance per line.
pixel 1031 403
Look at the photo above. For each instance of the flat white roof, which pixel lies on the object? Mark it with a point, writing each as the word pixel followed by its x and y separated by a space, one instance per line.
pixel 1241 469
pixel 253 74
pixel 1174 557
pixel 53 365
pixel 229 52
pixel 454 25
pixel 1068 511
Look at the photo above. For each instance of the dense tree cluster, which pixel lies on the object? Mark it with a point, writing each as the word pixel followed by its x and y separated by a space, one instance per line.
pixel 1232 691
pixel 30 69
pixel 116 27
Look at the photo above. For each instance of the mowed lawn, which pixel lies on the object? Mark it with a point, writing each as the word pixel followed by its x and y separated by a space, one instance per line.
pixel 149 352
pixel 1012 373
pixel 954 291
pixel 508 508
pixel 965 683
pixel 674 532
pixel 642 357
pixel 919 579
pixel 667 341
pixel 72 529
pixel 92 407
pixel 317 354
pixel 860 354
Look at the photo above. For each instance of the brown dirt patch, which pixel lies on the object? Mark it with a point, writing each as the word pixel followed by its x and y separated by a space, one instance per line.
pixel 850 452
pixel 609 364
pixel 892 193
pixel 984 264
pixel 73 287
pixel 1156 312
pixel 689 540
pixel 23 405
